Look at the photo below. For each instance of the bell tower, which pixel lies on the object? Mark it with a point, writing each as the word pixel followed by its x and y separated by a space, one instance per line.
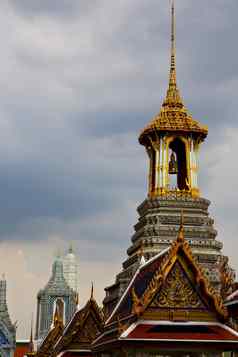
pixel 172 141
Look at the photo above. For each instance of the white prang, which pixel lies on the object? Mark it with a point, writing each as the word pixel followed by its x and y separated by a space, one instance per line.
pixel 71 271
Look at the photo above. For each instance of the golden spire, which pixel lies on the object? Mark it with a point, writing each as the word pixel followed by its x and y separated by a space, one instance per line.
pixel 173 116
pixel 173 96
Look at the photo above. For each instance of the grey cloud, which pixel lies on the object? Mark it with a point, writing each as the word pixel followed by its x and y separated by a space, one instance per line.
pixel 63 9
pixel 70 87
pixel 78 81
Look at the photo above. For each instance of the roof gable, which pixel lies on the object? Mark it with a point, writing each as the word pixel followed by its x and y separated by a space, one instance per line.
pixel 161 282
pixel 181 286
pixel 85 325
pixel 47 346
pixel 177 291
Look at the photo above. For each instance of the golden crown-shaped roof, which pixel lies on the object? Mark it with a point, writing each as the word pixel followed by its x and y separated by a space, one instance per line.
pixel 173 116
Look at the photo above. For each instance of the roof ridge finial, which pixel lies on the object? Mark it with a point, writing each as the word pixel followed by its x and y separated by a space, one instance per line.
pixel 77 302
pixel 142 253
pixel 92 292
pixel 31 351
pixel 31 345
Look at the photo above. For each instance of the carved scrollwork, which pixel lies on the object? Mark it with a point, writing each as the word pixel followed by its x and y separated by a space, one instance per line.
pixel 177 292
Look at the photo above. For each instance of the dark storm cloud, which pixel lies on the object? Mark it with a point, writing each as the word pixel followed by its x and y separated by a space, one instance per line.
pixel 78 81
pixel 64 8
pixel 75 94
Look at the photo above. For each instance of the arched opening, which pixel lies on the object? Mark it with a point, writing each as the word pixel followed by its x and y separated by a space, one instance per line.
pixel 178 173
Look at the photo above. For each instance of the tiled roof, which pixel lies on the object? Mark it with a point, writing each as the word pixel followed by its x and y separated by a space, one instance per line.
pixel 173 118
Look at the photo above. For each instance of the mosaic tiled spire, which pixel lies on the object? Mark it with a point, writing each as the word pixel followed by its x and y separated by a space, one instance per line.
pixel 56 293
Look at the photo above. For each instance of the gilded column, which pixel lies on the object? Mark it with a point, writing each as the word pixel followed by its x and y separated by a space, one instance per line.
pixel 161 163
pixel 192 163
pixel 164 163
pixel 157 166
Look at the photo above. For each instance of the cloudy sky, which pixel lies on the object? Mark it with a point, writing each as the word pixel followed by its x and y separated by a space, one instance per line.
pixel 78 81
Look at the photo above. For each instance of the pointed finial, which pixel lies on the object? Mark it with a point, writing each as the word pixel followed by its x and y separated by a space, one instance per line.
pixel 92 291
pixel 31 351
pixel 142 256
pixel 31 345
pixel 181 228
pixel 173 96
pixel 77 302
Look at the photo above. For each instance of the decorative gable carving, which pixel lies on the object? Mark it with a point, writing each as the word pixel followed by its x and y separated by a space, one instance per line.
pixel 88 331
pixel 177 292
pixel 178 285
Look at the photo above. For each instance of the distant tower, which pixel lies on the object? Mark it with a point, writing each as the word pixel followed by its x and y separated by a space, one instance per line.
pixel 7 329
pixel 70 264
pixel 56 294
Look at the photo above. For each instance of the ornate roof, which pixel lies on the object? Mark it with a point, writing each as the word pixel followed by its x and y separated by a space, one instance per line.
pixel 173 116
pixel 85 325
pixel 179 265
pixel 170 287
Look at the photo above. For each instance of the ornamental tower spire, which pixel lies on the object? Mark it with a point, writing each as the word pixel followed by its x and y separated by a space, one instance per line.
pixel 172 140
pixel 173 95
pixel 173 209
